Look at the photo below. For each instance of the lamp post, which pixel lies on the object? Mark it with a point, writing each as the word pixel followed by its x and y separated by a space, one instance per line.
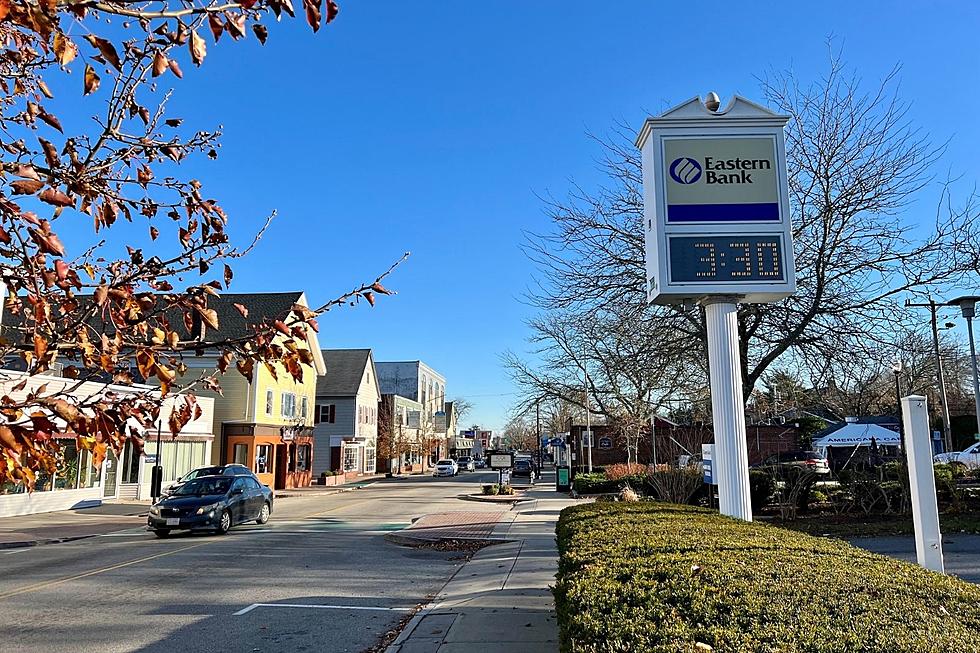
pixel 968 306
pixel 897 369
pixel 940 377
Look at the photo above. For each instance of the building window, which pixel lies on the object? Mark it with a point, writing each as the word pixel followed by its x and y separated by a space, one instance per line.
pixel 263 462
pixel 268 402
pixel 303 457
pixel 605 443
pixel 241 454
pixel 369 460
pixel 130 464
pixel 288 404
pixel 304 406
pixel 326 413
pixel 350 459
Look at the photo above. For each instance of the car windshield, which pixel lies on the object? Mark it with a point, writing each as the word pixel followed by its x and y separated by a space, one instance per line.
pixel 522 463
pixel 206 471
pixel 203 486
pixel 445 462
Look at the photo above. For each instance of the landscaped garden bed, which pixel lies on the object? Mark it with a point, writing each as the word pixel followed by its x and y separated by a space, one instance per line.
pixel 655 577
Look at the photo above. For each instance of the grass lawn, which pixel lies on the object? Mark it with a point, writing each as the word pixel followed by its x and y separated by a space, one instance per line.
pixel 848 526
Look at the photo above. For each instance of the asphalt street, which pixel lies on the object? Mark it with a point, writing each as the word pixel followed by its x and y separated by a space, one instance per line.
pixel 320 571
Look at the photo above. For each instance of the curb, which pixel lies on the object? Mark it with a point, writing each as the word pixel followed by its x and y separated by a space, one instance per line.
pixel 21 544
pixel 505 502
pixel 408 540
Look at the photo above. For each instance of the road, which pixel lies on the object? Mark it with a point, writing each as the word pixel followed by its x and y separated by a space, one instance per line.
pixel 129 591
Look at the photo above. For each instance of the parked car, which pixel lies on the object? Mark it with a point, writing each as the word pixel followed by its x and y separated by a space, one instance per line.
pixel 233 469
pixel 786 461
pixel 211 503
pixel 446 467
pixel 969 457
pixel 466 464
pixel 693 461
pixel 480 463
pixel 522 467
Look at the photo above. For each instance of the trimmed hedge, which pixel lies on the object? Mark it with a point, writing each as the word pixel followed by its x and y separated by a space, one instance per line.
pixel 669 579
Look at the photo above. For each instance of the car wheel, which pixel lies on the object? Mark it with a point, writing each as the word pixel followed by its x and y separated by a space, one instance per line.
pixel 161 532
pixel 264 514
pixel 224 523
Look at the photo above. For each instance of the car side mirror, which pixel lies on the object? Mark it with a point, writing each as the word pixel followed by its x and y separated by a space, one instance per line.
pixel 237 490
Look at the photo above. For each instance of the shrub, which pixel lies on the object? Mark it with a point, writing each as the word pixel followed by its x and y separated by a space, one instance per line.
pixel 506 489
pixel 629 495
pixel 595 483
pixel 762 486
pixel 491 489
pixel 676 484
pixel 661 579
pixel 622 470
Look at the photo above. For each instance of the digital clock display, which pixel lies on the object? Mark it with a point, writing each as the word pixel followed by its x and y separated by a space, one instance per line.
pixel 733 258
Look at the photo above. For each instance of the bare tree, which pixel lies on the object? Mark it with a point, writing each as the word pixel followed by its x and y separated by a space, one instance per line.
pixel 856 164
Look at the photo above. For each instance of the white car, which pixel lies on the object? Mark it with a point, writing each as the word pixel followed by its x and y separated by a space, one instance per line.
pixel 969 457
pixel 446 467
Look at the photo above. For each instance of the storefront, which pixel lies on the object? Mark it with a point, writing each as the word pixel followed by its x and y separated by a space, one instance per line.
pixel 75 484
pixel 280 457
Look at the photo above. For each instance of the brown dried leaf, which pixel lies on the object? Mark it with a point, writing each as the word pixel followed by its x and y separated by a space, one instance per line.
pixel 260 31
pixel 26 186
pixel 313 16
pixel 241 309
pixel 55 197
pixel 51 120
pixel 64 49
pixel 198 48
pixel 175 69
pixel 160 63
pixel 369 296
pixel 228 275
pixel 216 27
pixel 107 49
pixel 92 80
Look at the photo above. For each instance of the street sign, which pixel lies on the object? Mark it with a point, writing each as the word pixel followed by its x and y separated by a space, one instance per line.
pixel 718 232
pixel 150 458
pixel 716 204
pixel 501 460
pixel 707 463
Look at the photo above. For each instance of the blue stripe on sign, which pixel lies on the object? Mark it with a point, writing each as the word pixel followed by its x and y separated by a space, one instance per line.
pixel 722 212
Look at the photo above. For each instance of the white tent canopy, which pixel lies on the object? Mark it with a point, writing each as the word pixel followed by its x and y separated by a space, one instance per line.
pixel 858 435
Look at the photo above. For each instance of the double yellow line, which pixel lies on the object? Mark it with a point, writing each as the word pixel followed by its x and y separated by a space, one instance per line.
pixel 52 583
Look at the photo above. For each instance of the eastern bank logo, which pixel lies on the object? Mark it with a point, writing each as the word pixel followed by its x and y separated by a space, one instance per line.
pixel 686 170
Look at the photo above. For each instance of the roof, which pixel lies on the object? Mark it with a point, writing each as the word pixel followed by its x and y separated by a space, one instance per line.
pixel 887 421
pixel 345 370
pixel 857 434
pixel 231 324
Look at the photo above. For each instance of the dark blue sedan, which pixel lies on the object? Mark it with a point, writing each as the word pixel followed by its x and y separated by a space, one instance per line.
pixel 211 503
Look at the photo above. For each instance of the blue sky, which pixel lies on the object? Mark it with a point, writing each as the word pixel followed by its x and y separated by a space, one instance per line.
pixel 431 126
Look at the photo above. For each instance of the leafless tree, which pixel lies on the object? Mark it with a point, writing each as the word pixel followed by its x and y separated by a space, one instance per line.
pixel 856 166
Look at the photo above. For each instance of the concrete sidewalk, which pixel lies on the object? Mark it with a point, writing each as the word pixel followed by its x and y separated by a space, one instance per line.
pixel 67 525
pixel 501 599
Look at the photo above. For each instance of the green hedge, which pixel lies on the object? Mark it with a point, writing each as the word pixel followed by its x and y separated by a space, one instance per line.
pixel 664 579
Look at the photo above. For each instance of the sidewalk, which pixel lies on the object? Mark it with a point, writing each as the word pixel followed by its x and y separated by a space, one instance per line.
pixel 67 525
pixel 501 599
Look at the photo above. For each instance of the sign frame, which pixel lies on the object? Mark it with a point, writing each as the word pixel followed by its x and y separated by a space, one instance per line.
pixel 692 121
pixel 500 460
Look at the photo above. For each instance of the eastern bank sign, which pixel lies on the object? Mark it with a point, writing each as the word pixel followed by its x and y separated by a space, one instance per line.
pixel 721 180
pixel 716 204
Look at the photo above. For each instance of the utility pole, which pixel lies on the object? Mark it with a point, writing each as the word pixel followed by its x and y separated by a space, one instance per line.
pixel 653 436
pixel 940 376
pixel 968 309
pixel 588 422
pixel 537 410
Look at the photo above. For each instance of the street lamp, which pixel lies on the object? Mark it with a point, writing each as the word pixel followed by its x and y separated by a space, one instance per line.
pixel 897 369
pixel 968 305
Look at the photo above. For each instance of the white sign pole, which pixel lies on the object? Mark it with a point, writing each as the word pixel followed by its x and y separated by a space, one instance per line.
pixel 922 483
pixel 731 465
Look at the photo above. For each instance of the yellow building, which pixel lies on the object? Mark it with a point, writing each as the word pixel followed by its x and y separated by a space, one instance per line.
pixel 263 422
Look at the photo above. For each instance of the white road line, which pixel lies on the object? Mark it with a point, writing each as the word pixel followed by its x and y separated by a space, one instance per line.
pixel 317 607
pixel 19 550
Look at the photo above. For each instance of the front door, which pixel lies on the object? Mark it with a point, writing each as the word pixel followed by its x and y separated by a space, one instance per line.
pixel 282 457
pixel 111 475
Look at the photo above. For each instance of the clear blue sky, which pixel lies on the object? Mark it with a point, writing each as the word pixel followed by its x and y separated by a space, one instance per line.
pixel 429 127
